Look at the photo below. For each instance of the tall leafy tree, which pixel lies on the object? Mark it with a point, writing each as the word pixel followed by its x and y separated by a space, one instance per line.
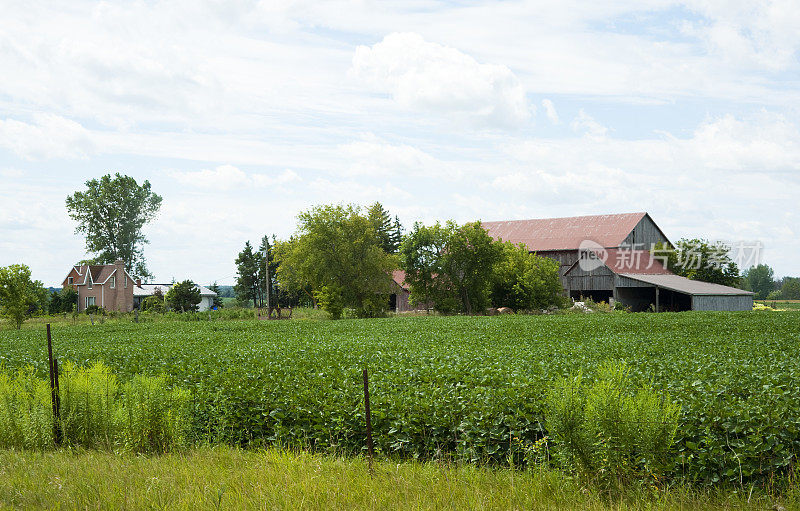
pixel 525 281
pixel 420 257
pixel 111 213
pixel 336 253
pixel 450 266
pixel 790 289
pixel 19 295
pixel 760 280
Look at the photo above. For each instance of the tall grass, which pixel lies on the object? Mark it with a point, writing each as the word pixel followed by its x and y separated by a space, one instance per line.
pixel 143 415
pixel 612 433
pixel 226 478
pixel 151 417
pixel 88 400
pixel 26 416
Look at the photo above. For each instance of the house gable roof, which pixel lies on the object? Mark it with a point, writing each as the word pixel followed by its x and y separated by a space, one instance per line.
pixel 99 274
pixel 549 234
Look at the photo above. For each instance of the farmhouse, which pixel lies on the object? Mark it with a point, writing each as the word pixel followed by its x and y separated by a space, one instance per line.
pixel 104 285
pixel 142 291
pixel 609 257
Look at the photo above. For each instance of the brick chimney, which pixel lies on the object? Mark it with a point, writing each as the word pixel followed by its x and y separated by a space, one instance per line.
pixel 119 291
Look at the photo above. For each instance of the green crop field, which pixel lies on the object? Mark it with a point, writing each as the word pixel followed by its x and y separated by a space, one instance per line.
pixel 461 388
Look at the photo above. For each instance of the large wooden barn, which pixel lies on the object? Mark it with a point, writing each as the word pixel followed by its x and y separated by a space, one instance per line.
pixel 608 257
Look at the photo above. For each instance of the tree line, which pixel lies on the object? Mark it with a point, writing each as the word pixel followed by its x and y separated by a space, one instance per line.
pixel 341 258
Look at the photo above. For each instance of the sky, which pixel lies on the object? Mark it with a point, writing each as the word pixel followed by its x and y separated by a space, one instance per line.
pixel 242 114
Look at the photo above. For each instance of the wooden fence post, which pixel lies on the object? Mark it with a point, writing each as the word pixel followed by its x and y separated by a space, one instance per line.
pixel 370 449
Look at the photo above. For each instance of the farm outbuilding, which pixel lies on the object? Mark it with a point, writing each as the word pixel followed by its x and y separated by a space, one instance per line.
pixel 608 258
pixel 399 299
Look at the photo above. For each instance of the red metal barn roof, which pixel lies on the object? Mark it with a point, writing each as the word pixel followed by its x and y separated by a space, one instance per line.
pixel 544 234
pixel 399 277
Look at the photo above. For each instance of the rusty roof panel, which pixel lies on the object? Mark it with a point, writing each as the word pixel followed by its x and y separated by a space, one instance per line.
pixel 399 277
pixel 546 234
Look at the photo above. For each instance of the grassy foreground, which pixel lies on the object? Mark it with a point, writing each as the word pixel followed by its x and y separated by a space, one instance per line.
pixel 228 478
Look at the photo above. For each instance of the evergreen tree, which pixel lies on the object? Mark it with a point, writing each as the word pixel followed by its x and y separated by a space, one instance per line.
pixel 217 303
pixel 247 287
pixel 183 297
pixel 389 233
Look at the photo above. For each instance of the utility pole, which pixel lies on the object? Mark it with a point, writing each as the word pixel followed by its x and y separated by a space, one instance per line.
pixel 266 272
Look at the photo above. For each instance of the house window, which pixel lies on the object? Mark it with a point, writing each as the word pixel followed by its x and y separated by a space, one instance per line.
pixel 125 280
pixel 89 301
pixel 90 283
pixel 69 281
pixel 113 284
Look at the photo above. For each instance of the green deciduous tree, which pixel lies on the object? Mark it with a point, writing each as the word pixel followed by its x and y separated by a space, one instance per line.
pixel 154 302
pixel 525 281
pixel 450 266
pixel 111 213
pixel 337 254
pixel 19 295
pixel 183 297
pixel 790 290
pixel 420 257
pixel 699 259
pixel 759 279
pixel 63 301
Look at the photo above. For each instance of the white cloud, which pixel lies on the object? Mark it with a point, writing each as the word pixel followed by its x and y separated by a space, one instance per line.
pixel 550 110
pixel 285 177
pixel 228 177
pixel 374 157
pixel 50 136
pixel 586 124
pixel 751 34
pixel 766 142
pixel 428 76
pixel 224 177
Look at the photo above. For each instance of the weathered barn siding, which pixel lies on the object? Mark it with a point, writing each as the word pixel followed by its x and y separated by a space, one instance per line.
pixel 401 301
pixel 722 302
pixel 626 282
pixel 599 279
pixel 645 235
